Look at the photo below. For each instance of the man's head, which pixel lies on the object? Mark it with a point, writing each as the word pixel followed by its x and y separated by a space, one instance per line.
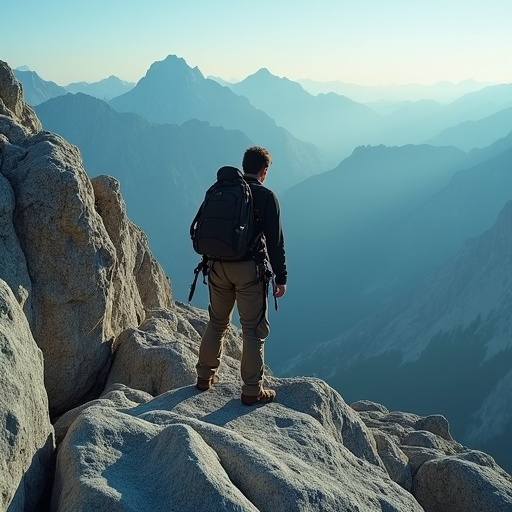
pixel 256 162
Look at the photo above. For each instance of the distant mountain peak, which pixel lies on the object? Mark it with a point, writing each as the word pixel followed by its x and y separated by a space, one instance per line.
pixel 172 67
pixel 264 78
pixel 263 72
pixel 172 58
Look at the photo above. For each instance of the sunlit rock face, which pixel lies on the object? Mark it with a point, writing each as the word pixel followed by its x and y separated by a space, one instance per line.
pixel 26 436
pixel 308 450
pixel 198 451
pixel 84 271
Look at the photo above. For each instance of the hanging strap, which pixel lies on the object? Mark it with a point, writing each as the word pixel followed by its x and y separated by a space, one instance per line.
pixel 272 280
pixel 203 267
pixel 274 288
pixel 267 277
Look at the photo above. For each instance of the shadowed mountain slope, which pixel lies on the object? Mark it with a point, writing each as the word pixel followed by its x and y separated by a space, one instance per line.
pixel 338 229
pixel 453 334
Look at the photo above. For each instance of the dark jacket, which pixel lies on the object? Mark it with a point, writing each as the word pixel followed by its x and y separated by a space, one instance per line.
pixel 267 215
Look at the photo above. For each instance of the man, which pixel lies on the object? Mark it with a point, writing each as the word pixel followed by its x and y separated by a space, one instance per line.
pixel 243 282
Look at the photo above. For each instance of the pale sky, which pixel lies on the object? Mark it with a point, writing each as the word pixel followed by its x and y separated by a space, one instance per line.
pixel 369 42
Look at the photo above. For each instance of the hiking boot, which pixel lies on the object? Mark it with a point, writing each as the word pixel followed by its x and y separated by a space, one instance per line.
pixel 265 396
pixel 204 384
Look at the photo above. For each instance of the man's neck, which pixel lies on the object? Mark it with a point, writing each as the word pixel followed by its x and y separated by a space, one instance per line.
pixel 253 176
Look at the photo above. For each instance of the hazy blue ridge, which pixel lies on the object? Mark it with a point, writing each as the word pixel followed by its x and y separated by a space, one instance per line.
pixel 172 92
pixel 35 89
pixel 443 92
pixel 334 123
pixel 338 234
pixel 476 134
pixel 105 89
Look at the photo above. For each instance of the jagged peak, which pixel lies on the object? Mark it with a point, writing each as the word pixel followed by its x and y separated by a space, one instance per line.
pixel 173 63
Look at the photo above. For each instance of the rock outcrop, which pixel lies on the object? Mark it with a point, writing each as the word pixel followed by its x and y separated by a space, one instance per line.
pixel 444 476
pixel 78 270
pixel 87 270
pixel 193 451
pixel 307 451
pixel 84 304
pixel 161 353
pixel 26 434
pixel 13 106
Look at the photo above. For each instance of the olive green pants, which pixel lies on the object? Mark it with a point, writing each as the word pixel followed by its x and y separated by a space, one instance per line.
pixel 229 282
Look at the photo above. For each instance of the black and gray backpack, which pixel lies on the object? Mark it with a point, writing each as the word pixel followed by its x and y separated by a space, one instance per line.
pixel 223 226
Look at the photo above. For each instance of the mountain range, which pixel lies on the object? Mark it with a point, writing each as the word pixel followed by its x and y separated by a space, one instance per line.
pixel 441 92
pixel 105 89
pixel 377 228
pixel 452 333
pixel 420 121
pixel 476 134
pixel 334 123
pixel 36 90
pixel 358 236
pixel 172 92
pixel 338 124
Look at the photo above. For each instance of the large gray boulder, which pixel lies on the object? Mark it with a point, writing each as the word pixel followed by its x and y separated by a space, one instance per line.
pixel 470 481
pixel 71 263
pixel 139 283
pixel 420 454
pixel 161 353
pixel 14 266
pixel 186 450
pixel 26 434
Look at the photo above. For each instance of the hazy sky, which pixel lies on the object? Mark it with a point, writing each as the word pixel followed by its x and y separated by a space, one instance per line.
pixel 374 42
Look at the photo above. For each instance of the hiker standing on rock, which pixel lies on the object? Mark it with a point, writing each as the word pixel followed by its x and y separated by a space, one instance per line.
pixel 245 280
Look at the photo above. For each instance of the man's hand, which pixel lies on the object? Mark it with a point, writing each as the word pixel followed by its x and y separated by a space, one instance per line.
pixel 280 290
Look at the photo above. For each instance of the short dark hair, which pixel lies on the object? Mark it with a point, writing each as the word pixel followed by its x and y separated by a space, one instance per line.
pixel 255 159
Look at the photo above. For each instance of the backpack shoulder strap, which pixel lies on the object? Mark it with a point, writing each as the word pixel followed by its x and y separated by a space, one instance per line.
pixel 194 222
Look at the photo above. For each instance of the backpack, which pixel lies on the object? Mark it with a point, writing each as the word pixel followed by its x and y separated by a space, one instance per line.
pixel 223 226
